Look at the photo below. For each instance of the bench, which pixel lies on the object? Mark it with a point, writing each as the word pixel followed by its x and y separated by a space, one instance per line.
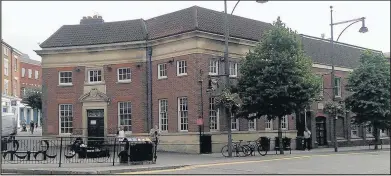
pixel 373 142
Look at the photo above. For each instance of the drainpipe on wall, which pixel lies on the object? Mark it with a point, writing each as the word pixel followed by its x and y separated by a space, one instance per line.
pixel 148 50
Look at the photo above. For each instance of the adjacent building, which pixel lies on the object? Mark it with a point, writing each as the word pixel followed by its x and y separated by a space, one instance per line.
pixel 139 73
pixel 15 80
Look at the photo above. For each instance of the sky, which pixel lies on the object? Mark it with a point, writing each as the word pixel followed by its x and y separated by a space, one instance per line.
pixel 26 24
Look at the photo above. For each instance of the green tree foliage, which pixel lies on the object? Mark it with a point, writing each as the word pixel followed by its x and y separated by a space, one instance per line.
pixel 276 77
pixel 370 88
pixel 33 98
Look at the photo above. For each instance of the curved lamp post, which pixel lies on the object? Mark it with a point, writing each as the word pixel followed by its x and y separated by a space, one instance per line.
pixel 363 29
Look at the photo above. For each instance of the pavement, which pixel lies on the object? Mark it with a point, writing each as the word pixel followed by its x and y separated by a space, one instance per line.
pixel 315 161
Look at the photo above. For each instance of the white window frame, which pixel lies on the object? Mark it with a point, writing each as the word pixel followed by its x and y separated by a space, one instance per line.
pixel 270 123
pixel 6 67
pixel 254 122
pixel 369 131
pixel 14 84
pixel 162 71
pixel 122 112
pixel 183 114
pixel 23 72
pixel 214 115
pixel 233 69
pixel 15 63
pixel 30 72
pixel 338 87
pixel 6 51
pixel 321 87
pixel 66 83
pixel 6 85
pixel 36 74
pixel 60 119
pixel 181 68
pixel 354 131
pixel 234 121
pixel 383 133
pixel 163 114
pixel 284 122
pixel 98 76
pixel 213 67
pixel 124 74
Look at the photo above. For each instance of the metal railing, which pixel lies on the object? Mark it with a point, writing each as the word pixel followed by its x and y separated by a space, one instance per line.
pixel 64 150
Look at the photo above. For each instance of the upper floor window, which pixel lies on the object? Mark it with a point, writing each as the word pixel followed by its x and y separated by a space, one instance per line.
pixel 15 64
pixel 6 68
pixel 269 124
pixel 181 68
pixel 5 49
pixel 23 72
pixel 36 74
pixel 284 123
pixel 5 87
pixel 124 74
pixel 337 90
pixel 321 86
pixel 162 71
pixel 30 73
pixel 213 67
pixel 252 124
pixel 233 69
pixel 23 91
pixel 14 87
pixel 65 78
pixel 95 76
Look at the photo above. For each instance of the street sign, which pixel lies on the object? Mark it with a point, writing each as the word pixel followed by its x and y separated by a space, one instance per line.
pixel 199 121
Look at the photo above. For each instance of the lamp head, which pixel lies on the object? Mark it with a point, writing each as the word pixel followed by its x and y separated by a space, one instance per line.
pixel 363 28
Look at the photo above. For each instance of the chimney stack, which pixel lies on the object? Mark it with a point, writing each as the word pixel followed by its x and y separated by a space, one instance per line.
pixel 96 19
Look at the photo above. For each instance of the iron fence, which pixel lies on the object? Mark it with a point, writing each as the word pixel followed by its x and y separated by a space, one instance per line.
pixel 63 150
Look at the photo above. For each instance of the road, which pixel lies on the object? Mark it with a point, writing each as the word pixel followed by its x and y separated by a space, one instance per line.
pixel 341 163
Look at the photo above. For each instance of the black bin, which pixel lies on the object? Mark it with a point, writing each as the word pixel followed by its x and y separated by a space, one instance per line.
pixel 205 144
pixel 299 143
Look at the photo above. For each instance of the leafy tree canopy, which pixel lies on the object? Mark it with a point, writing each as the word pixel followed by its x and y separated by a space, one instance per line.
pixel 370 87
pixel 276 76
pixel 33 98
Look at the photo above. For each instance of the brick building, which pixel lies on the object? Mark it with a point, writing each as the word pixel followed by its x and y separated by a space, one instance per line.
pixel 139 73
pixel 30 78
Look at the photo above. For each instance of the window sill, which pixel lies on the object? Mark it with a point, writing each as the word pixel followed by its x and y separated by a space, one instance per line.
pixel 233 76
pixel 213 74
pixel 183 131
pixel 180 75
pixel 162 78
pixel 65 85
pixel 124 82
pixel 64 134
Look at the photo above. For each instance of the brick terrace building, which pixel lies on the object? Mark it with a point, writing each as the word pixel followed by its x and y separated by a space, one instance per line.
pixel 141 73
pixel 30 78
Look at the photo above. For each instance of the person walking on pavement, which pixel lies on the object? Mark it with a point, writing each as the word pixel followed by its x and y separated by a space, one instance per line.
pixel 155 134
pixel 307 139
pixel 32 125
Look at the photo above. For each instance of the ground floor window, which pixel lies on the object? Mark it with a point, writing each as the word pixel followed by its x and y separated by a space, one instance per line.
pixel 213 115
pixel 369 131
pixel 234 123
pixel 284 123
pixel 125 115
pixel 66 118
pixel 252 125
pixel 163 115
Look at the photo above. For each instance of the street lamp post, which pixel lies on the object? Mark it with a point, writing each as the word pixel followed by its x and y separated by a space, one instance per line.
pixel 226 64
pixel 363 29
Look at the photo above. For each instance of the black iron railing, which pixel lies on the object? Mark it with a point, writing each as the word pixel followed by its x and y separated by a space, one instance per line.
pixel 63 150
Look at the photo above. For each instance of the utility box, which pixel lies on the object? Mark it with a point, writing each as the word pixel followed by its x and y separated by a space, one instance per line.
pixel 205 144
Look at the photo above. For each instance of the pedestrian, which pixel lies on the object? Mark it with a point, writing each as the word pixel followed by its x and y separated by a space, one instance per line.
pixel 307 139
pixel 32 127
pixel 155 134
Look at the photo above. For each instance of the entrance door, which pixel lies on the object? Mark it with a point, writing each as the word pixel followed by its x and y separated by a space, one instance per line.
pixel 96 128
pixel 321 131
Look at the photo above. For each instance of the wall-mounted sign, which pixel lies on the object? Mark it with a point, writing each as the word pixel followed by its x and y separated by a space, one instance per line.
pixel 93 122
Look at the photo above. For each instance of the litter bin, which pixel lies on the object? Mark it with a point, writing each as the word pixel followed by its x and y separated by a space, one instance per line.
pixel 299 143
pixel 206 144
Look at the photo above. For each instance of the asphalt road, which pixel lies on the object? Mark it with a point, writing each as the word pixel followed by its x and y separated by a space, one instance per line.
pixel 342 163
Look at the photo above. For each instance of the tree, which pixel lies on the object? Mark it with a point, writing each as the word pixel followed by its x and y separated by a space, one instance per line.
pixel 231 102
pixel 370 88
pixel 33 98
pixel 276 77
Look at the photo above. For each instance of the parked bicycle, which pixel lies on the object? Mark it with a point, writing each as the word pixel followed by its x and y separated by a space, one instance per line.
pixel 253 146
pixel 237 149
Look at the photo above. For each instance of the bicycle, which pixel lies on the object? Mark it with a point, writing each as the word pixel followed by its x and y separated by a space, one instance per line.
pixel 237 148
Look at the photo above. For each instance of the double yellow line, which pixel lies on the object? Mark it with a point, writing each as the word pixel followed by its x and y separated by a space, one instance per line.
pixel 236 162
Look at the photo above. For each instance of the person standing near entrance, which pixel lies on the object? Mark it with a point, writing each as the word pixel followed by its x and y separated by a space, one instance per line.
pixel 307 139
pixel 32 125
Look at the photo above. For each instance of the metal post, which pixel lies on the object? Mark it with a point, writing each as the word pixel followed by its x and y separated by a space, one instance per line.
pixel 59 163
pixel 202 101
pixel 115 143
pixel 226 74
pixel 333 78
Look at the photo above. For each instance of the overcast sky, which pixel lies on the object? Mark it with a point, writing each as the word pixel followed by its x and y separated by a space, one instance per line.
pixel 25 24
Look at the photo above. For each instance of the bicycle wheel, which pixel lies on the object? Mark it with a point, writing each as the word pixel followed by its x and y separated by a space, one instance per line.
pixel 262 150
pixel 224 151
pixel 248 150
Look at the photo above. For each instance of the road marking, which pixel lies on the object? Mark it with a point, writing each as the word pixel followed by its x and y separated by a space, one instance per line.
pixel 239 162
